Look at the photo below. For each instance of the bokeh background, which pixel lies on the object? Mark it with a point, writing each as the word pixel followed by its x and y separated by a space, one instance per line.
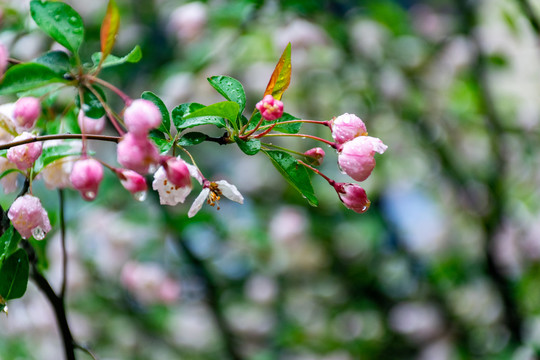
pixel 444 265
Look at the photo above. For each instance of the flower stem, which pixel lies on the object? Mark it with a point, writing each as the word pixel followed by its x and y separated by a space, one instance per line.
pixel 108 111
pixel 318 172
pixel 127 100
pixel 332 144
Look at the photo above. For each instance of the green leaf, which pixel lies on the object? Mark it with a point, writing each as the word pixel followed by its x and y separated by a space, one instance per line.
pixel 183 110
pixel 14 275
pixel 226 109
pixel 192 138
pixel 164 145
pixel 249 147
pixel 230 88
pixel 193 114
pixel 57 61
pixel 295 173
pixel 60 21
pixel 92 107
pixel 292 128
pixel 27 76
pixel 53 153
pixel 8 243
pixel 133 57
pixel 166 122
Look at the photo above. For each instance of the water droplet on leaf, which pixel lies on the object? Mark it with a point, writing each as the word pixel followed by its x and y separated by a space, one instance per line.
pixel 90 195
pixel 73 20
pixel 57 17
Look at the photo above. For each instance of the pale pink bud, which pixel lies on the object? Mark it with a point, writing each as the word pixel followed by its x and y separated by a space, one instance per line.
pixel 353 197
pixel 270 108
pixel 132 181
pixel 347 127
pixel 142 116
pixel 137 153
pixel 26 112
pixel 4 55
pixel 24 156
pixel 29 217
pixel 177 172
pixel 315 156
pixel 86 177
pixel 356 156
pixel 89 125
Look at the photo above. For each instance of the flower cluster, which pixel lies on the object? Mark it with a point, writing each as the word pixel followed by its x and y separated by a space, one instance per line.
pixel 356 152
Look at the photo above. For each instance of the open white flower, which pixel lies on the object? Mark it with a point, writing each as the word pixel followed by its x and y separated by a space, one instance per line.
pixel 170 194
pixel 211 192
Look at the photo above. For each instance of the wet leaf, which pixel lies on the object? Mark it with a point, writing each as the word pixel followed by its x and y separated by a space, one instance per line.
pixel 281 77
pixel 60 21
pixel 109 29
pixel 134 56
pixel 295 173
pixel 166 118
pixel 28 76
pixel 14 275
pixel 249 147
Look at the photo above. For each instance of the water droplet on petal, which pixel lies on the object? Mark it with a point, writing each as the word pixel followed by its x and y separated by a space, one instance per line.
pixel 140 196
pixel 89 195
pixel 38 233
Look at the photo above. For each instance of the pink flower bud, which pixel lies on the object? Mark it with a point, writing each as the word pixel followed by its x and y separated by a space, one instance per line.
pixel 177 172
pixel 26 112
pixel 134 182
pixel 86 177
pixel 89 125
pixel 347 127
pixel 270 108
pixel 142 116
pixel 353 197
pixel 4 55
pixel 24 156
pixel 356 156
pixel 29 217
pixel 137 153
pixel 315 156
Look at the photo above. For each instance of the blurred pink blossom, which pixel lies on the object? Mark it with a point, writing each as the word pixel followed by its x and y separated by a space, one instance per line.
pixel 26 112
pixel 141 116
pixel 89 125
pixel 137 153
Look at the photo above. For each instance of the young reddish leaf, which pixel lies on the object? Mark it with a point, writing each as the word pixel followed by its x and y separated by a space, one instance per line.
pixel 109 29
pixel 281 77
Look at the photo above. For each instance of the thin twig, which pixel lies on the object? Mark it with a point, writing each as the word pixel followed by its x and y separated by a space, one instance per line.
pixel 114 139
pixel 63 243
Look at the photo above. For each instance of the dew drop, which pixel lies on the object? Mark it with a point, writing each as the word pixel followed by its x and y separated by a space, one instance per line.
pixel 140 196
pixel 89 195
pixel 73 20
pixel 57 17
pixel 38 233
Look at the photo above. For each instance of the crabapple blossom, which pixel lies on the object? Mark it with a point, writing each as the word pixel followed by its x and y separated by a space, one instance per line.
pixel 56 174
pixel 347 127
pixel 137 153
pixel 142 116
pixel 29 217
pixel 26 112
pixel 9 181
pixel 89 125
pixel 211 192
pixel 315 156
pixel 356 156
pixel 170 194
pixel 353 196
pixel 86 177
pixel 270 108
pixel 24 156
pixel 4 55
pixel 132 181
pixel 188 21
pixel 177 172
